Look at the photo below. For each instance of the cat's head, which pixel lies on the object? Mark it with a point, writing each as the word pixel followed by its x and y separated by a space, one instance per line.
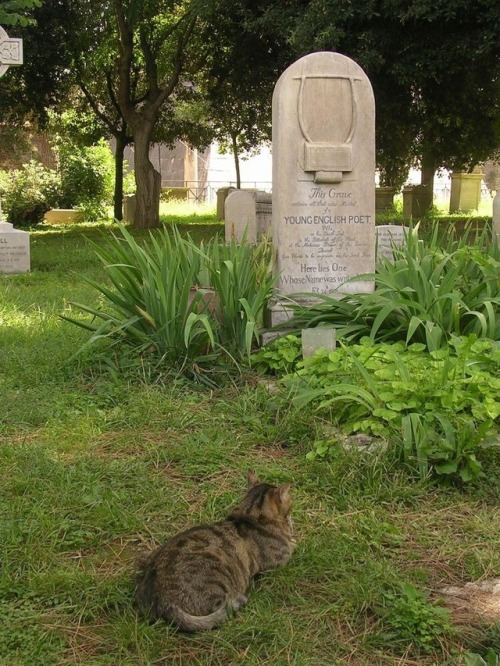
pixel 266 502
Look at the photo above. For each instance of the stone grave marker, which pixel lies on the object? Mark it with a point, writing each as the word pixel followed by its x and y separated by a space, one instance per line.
pixel 250 210
pixel 14 248
pixel 14 244
pixel 323 220
pixel 388 236
pixel 11 51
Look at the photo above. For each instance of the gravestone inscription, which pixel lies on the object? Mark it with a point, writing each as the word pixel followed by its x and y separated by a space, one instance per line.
pixel 323 222
pixel 390 236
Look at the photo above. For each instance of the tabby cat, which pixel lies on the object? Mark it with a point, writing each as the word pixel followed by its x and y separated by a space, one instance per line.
pixel 198 575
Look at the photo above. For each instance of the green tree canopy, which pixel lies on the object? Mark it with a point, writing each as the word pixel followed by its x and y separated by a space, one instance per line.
pixel 434 66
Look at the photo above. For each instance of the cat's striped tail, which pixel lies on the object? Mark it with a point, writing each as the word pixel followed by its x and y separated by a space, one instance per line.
pixel 188 622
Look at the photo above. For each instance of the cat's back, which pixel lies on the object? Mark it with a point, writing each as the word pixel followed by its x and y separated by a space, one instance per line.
pixel 197 574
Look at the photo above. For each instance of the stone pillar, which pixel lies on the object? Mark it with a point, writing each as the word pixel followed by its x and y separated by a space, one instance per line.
pixel 496 215
pixel 384 199
pixel 323 178
pixel 465 192
pixel 417 201
pixel 222 194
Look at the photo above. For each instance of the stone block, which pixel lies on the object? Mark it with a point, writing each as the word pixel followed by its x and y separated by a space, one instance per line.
pixel 14 249
pixel 465 192
pixel 314 339
pixel 62 216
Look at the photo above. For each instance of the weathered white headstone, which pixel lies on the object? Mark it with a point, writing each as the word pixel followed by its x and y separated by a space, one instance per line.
pixel 247 212
pixel 314 339
pixel 323 177
pixel 11 51
pixel 388 237
pixel 14 249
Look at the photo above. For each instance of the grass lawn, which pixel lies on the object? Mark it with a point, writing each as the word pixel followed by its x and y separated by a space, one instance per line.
pixel 99 463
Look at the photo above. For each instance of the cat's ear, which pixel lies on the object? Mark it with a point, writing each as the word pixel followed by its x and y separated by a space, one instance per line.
pixel 252 479
pixel 282 494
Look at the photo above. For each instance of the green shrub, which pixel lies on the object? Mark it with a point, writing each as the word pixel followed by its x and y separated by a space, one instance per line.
pixel 29 192
pixel 87 178
pixel 279 357
pixel 436 407
pixel 159 304
pixel 428 294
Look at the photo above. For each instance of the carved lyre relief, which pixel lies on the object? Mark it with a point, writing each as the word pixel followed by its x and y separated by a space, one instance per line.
pixel 327 110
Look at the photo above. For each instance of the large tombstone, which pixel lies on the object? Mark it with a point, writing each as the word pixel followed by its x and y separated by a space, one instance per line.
pixel 323 222
pixel 247 214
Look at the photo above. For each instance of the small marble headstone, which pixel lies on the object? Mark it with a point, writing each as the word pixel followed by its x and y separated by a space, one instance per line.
pixel 14 249
pixel 314 339
pixel 388 237
pixel 247 214
pixel 323 176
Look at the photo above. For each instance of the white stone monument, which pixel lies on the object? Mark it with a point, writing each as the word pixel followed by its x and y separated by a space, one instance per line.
pixel 14 248
pixel 390 236
pixel 247 214
pixel 323 223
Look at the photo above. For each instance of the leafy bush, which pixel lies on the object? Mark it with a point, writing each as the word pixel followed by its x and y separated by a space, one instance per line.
pixel 411 620
pixel 439 406
pixel 29 192
pixel 279 357
pixel 158 305
pixel 429 293
pixel 87 178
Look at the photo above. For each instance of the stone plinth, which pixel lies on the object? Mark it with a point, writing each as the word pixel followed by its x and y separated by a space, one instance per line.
pixel 496 215
pixel 417 201
pixel 384 199
pixel 247 214
pixel 323 220
pixel 129 205
pixel 390 236
pixel 62 216
pixel 14 249
pixel 465 192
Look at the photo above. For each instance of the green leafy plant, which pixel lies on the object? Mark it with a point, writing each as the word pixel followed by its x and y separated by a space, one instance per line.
pixel 491 658
pixel 151 306
pixel 411 619
pixel 242 277
pixel 279 357
pixel 29 192
pixel 87 177
pixel 434 289
pixel 439 406
pixel 159 302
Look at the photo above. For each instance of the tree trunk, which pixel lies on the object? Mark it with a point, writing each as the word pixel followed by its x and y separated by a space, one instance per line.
pixel 234 143
pixel 428 169
pixel 147 180
pixel 121 144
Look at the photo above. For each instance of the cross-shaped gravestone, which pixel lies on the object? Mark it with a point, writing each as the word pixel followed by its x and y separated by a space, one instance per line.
pixel 11 51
